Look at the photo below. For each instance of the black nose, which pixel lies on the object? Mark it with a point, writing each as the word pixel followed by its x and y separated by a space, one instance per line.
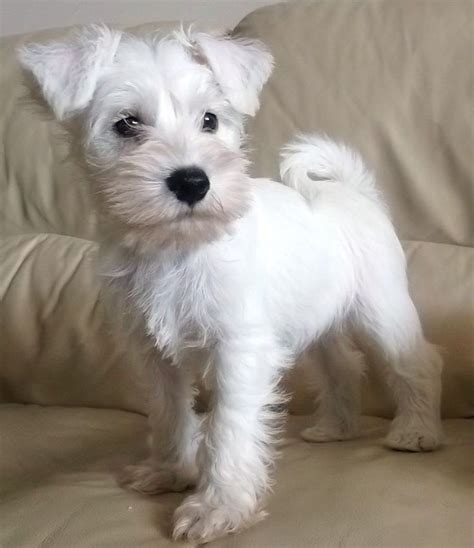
pixel 190 184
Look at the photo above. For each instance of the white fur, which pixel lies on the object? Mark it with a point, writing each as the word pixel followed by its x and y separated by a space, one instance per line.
pixel 68 73
pixel 255 276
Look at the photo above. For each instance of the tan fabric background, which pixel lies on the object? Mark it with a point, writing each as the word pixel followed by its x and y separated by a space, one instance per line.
pixel 406 110
pixel 60 491
pixel 57 464
pixel 395 80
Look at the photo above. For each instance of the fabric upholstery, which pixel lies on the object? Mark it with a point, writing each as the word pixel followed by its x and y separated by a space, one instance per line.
pixel 61 490
pixel 394 79
pixel 420 151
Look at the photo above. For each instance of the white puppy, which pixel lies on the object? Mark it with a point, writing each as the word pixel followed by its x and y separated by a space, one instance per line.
pixel 246 274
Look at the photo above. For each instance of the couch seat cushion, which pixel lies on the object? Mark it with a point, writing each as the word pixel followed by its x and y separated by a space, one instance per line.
pixel 57 484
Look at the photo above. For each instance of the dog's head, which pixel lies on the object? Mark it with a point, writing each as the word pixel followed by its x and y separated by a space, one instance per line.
pixel 158 122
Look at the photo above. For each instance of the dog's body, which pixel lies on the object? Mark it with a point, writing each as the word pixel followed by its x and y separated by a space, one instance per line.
pixel 248 274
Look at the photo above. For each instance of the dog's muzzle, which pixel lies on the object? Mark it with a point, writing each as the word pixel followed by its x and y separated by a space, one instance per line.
pixel 189 184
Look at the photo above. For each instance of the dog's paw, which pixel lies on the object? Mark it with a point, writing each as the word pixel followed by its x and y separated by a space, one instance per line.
pixel 150 478
pixel 325 431
pixel 200 519
pixel 413 436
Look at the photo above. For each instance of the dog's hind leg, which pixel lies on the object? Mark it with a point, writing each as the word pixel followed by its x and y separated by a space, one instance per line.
pixel 411 367
pixel 337 367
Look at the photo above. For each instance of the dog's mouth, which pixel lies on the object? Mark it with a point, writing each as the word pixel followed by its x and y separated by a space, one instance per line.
pixel 206 208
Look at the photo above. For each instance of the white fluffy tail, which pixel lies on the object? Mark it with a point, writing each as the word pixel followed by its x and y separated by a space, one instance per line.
pixel 312 158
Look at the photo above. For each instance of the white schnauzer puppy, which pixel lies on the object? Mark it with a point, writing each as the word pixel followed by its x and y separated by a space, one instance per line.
pixel 246 274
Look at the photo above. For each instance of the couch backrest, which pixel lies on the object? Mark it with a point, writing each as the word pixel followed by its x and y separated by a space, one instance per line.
pixel 395 80
pixel 55 344
pixel 391 78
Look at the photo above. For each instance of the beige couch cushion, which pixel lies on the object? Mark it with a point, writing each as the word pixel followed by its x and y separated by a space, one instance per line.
pixel 57 464
pixel 399 108
pixel 61 491
pixel 55 345
pixel 394 79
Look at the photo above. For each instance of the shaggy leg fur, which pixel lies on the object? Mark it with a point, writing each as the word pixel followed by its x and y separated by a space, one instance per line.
pixel 414 378
pixel 412 370
pixel 237 452
pixel 338 375
pixel 175 437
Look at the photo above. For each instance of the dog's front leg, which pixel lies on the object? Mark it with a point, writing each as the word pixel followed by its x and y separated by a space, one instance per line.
pixel 175 433
pixel 237 450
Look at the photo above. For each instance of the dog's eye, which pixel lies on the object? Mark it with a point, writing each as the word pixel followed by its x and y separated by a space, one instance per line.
pixel 128 127
pixel 209 122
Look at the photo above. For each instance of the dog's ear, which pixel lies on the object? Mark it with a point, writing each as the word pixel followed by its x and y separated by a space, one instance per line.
pixel 67 72
pixel 241 67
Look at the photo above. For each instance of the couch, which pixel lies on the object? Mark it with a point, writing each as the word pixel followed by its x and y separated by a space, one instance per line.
pixel 392 78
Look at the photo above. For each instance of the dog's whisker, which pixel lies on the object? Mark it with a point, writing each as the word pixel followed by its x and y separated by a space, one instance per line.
pixel 217 201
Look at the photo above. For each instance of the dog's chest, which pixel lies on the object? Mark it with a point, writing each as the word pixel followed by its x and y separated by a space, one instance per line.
pixel 180 301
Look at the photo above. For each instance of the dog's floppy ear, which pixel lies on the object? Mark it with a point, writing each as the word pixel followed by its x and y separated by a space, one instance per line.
pixel 67 72
pixel 241 67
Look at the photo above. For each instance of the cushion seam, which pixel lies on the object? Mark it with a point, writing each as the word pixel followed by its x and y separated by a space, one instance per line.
pixel 403 240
